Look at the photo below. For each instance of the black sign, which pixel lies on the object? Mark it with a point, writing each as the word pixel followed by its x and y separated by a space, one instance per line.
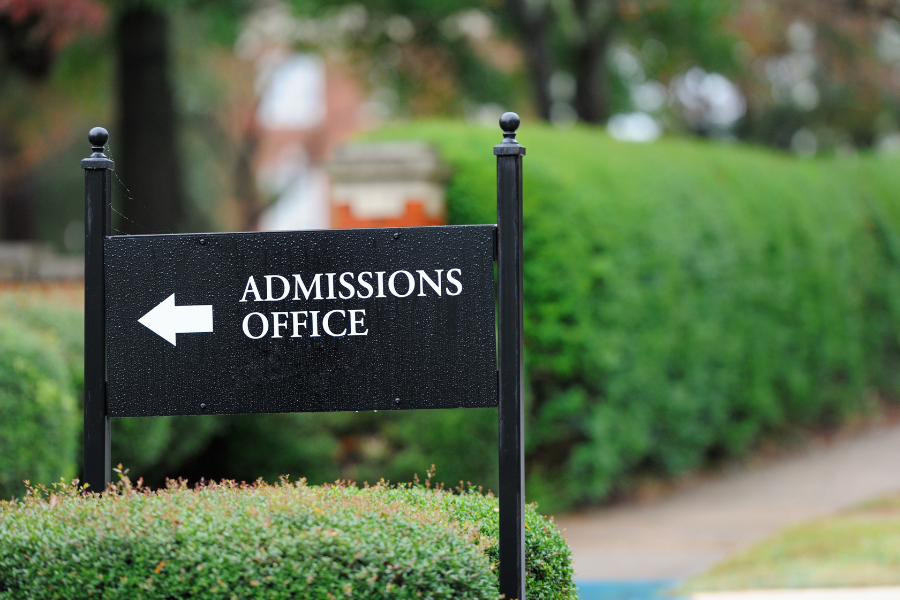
pixel 360 319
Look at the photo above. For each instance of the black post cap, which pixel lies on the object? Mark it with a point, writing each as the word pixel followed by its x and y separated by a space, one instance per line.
pixel 509 123
pixel 98 137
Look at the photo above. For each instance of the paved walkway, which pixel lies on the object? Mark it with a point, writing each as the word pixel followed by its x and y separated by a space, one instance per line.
pixel 687 532
pixel 885 593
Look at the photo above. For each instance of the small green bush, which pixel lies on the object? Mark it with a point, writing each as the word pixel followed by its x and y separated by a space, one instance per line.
pixel 38 414
pixel 263 541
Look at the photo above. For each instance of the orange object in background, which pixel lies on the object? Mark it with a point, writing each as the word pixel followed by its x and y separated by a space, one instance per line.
pixel 414 216
pixel 387 184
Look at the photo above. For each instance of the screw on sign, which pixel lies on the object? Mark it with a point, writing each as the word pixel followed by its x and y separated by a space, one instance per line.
pixel 310 321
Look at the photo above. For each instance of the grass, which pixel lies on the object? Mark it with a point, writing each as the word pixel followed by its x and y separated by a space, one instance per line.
pixel 857 548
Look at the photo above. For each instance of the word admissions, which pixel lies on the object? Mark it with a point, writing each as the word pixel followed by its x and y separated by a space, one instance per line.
pixel 346 286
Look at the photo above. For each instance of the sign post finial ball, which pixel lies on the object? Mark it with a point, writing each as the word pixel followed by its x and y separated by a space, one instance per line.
pixel 509 122
pixel 98 137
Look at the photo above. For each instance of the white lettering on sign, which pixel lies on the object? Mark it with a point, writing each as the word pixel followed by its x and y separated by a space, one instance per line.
pixel 410 281
pixel 455 282
pixel 424 277
pixel 354 322
pixel 298 286
pixel 315 323
pixel 277 325
pixel 335 323
pixel 297 322
pixel 348 286
pixel 251 287
pixel 344 286
pixel 265 325
pixel 365 284
pixel 327 328
pixel 285 288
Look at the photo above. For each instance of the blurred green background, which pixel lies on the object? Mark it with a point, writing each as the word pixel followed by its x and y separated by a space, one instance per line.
pixel 729 284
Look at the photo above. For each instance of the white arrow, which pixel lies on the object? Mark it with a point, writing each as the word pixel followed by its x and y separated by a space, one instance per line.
pixel 166 319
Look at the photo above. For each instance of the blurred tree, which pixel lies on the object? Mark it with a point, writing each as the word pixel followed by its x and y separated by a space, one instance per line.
pixel 573 36
pixel 821 74
pixel 149 132
pixel 32 32
pixel 419 57
pixel 582 32
pixel 150 153
pixel 533 21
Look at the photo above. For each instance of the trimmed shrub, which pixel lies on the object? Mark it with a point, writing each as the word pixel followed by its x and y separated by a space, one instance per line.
pixel 684 299
pixel 262 541
pixel 38 414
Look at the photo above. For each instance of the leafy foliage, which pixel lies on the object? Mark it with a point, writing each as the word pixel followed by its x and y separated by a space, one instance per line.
pixel 51 329
pixel 323 447
pixel 685 299
pixel 819 69
pixel 38 415
pixel 262 541
pixel 416 49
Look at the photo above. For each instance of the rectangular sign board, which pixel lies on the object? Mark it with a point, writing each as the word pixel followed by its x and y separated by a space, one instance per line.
pixel 362 319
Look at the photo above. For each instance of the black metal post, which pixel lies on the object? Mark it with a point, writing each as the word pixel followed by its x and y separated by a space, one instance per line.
pixel 97 204
pixel 512 411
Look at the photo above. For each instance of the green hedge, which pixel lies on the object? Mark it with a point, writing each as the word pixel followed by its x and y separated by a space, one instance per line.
pixel 684 299
pixel 38 413
pixel 49 330
pixel 262 541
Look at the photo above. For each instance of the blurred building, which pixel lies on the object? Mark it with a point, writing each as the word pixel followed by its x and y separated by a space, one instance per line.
pixel 308 110
pixel 398 184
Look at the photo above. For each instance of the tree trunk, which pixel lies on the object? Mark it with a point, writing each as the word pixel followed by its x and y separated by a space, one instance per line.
pixel 591 73
pixel 592 85
pixel 24 49
pixel 17 197
pixel 148 160
pixel 246 192
pixel 533 19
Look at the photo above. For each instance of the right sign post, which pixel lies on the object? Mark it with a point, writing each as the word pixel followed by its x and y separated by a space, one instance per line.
pixel 510 353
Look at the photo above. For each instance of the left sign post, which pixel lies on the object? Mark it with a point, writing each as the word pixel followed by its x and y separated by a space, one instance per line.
pixel 97 205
